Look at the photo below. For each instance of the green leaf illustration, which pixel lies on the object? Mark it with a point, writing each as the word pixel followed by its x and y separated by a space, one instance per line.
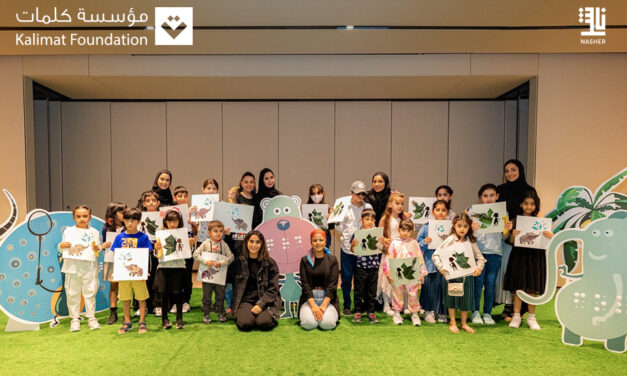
pixel 170 245
pixel 408 271
pixel 610 184
pixel 419 210
pixel 372 242
pixel 461 260
pixel 151 226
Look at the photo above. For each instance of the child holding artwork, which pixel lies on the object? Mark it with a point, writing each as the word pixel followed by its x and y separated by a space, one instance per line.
pixel 445 193
pixel 114 222
pixel 131 237
pixel 366 274
pixel 491 246
pixel 526 268
pixel 181 197
pixel 392 217
pixel 150 203
pixel 171 278
pixel 215 244
pixel 317 196
pixel 81 276
pixel 431 291
pixel 403 247
pixel 460 232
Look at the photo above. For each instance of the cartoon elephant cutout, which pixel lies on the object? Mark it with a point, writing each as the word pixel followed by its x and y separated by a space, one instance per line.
pixel 594 304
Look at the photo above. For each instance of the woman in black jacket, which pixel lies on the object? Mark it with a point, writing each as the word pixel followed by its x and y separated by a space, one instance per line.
pixel 319 271
pixel 256 298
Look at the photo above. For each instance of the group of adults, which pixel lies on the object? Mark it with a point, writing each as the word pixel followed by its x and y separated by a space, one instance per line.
pixel 257 301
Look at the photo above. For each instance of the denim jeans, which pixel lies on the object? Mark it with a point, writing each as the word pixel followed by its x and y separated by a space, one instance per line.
pixel 487 279
pixel 349 263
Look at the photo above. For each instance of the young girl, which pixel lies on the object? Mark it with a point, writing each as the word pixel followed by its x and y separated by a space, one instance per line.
pixel 316 196
pixel 171 276
pixel 390 221
pixel 81 276
pixel 405 246
pixel 150 203
pixel 460 232
pixel 526 269
pixel 445 193
pixel 491 246
pixel 114 222
pixel 431 292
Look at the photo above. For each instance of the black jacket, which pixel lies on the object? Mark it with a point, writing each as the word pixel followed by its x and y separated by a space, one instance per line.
pixel 267 285
pixel 331 269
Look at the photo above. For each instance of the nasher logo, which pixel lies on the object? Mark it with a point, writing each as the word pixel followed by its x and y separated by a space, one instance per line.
pixel 174 26
pixel 595 18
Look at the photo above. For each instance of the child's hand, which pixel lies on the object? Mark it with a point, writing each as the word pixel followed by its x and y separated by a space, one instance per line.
pixel 422 280
pixel 256 310
pixel 106 245
pixel 233 193
pixel 193 209
pixel 157 245
pixel 428 239
pixel 509 225
pixel 210 263
pixel 95 247
pixel 65 245
pixel 386 242
pixel 475 226
pixel 477 272
pixel 217 265
pixel 547 234
pixel 354 243
pixel 516 232
pixel 390 280
pixel 444 272
pixel 192 241
pixel 227 231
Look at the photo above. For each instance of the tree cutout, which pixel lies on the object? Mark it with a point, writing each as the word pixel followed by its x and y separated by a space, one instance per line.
pixel 170 245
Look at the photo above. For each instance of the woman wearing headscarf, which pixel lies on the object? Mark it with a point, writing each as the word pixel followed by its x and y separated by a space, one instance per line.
pixel 379 195
pixel 267 189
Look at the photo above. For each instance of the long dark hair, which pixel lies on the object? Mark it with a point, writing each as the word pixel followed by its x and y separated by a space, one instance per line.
pixel 173 215
pixel 264 191
pixel 379 200
pixel 112 209
pixel 464 217
pixel 245 174
pixel 536 200
pixel 522 179
pixel 263 251
pixel 165 195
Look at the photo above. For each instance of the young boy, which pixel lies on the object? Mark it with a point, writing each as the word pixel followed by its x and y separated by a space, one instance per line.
pixel 181 197
pixel 132 238
pixel 347 228
pixel 366 273
pixel 214 244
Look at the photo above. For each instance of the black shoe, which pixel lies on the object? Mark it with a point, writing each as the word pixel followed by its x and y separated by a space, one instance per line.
pixel 113 317
pixel 180 324
pixel 167 324
pixel 346 312
pixel 206 319
pixel 222 317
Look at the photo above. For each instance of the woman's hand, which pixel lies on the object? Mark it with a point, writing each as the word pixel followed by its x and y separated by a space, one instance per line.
pixel 256 310
pixel 477 272
pixel 428 239
pixel 317 312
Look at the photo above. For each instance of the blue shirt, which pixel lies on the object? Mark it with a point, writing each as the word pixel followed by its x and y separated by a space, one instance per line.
pixel 424 247
pixel 138 240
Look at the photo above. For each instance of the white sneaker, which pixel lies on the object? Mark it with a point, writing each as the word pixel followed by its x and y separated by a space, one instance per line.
pixel 173 310
pixel 430 317
pixel 487 319
pixel 406 311
pixel 515 323
pixel 397 319
pixel 533 323
pixel 476 318
pixel 186 307
pixel 75 325
pixel 422 311
pixel 157 311
pixel 137 313
pixel 442 318
pixel 415 320
pixel 93 324
pixel 389 312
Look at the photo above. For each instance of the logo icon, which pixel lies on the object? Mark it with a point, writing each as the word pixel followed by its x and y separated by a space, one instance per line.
pixel 595 18
pixel 174 26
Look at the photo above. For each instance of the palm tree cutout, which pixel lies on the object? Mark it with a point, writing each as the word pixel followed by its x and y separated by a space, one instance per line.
pixel 577 206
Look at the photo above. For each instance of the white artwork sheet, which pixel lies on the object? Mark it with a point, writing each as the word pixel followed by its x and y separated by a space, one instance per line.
pixel 405 271
pixel 212 274
pixel 130 264
pixel 420 209
pixel 340 208
pixel 491 217
pixel 439 230
pixel 110 237
pixel 205 205
pixel 183 209
pixel 367 241
pixel 150 223
pixel 316 214
pixel 531 229
pixel 239 218
pixel 81 240
pixel 457 259
pixel 175 244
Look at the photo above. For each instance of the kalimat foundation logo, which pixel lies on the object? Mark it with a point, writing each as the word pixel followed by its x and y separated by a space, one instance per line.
pixel 174 26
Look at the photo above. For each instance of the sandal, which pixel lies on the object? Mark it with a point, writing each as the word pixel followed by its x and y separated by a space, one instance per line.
pixel 468 329
pixel 141 328
pixel 453 328
pixel 125 327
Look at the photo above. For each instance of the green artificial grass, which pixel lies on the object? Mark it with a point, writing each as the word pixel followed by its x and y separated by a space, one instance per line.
pixel 350 349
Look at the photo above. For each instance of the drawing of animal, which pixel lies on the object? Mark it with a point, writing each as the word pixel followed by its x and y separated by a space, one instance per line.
pixel 240 224
pixel 528 238
pixel 76 250
pixel 443 236
pixel 202 213
pixel 134 270
pixel 208 273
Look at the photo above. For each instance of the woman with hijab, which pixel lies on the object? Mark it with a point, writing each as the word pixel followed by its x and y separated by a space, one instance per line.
pixel 379 195
pixel 161 186
pixel 267 188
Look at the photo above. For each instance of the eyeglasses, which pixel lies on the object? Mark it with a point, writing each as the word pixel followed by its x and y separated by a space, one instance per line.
pixel 361 194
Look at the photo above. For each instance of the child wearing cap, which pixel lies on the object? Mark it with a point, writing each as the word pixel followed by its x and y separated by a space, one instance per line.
pixel 346 229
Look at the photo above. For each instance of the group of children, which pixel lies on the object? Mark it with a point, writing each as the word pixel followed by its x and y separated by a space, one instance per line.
pixel 169 283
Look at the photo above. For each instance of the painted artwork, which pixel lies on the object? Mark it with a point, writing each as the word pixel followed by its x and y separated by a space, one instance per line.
pixel 316 214
pixel 31 283
pixel 439 230
pixel 457 259
pixel 420 209
pixel 81 240
pixel 203 232
pixel 491 217
pixel 367 241
pixel 130 264
pixel 405 271
pixel 212 274
pixel 238 218
pixel 175 244
pixel 340 208
pixel 204 207
pixel 183 209
pixel 531 229
pixel 150 223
